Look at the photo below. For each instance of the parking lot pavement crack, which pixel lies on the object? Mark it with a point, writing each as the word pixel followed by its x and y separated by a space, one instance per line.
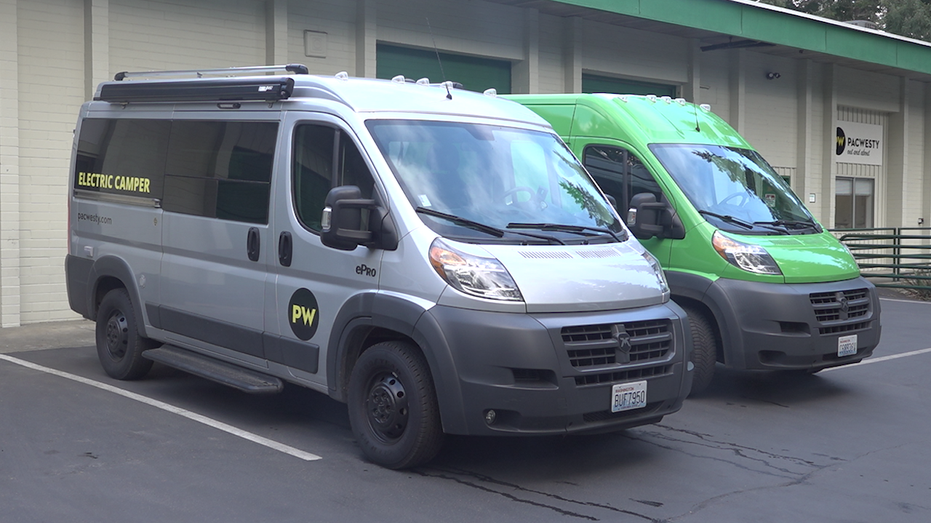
pixel 768 460
pixel 721 497
pixel 488 484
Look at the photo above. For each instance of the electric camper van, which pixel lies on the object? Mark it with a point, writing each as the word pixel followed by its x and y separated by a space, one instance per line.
pixel 435 258
pixel 764 284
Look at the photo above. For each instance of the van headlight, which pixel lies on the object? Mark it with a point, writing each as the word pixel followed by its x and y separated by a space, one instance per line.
pixel 480 276
pixel 657 271
pixel 751 258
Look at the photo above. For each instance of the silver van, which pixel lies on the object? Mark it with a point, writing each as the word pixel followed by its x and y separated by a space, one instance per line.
pixel 435 258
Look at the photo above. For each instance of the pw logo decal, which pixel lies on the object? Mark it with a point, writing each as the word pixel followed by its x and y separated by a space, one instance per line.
pixel 303 314
pixel 299 313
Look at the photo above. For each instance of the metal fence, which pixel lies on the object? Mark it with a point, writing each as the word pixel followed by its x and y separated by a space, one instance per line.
pixel 891 256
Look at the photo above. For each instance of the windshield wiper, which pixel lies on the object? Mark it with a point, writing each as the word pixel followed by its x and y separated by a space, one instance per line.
pixel 465 222
pixel 727 218
pixel 792 224
pixel 575 229
pixel 481 227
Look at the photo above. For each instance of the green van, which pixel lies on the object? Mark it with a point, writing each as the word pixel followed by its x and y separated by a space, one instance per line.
pixel 765 286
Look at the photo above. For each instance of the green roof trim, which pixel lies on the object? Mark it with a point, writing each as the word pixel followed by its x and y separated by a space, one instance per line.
pixel 778 26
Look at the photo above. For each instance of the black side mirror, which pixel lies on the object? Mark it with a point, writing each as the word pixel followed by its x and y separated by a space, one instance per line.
pixel 341 222
pixel 645 216
pixel 345 223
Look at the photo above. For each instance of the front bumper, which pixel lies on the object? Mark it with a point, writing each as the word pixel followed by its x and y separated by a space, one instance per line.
pixel 554 373
pixel 794 326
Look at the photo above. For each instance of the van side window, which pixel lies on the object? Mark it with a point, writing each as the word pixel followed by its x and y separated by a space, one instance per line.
pixel 620 173
pixel 124 157
pixel 220 169
pixel 324 157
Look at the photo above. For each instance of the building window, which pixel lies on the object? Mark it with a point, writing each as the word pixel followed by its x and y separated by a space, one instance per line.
pixel 853 199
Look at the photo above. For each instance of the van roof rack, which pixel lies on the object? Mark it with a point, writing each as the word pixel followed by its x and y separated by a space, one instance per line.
pixel 227 71
pixel 230 88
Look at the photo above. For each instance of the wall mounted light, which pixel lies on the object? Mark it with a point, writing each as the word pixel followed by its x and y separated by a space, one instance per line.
pixel 772 75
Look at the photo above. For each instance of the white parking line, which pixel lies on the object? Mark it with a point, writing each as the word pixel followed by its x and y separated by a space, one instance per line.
pixel 255 438
pixel 881 359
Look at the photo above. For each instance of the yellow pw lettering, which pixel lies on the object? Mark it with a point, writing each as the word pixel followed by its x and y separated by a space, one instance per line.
pixel 298 312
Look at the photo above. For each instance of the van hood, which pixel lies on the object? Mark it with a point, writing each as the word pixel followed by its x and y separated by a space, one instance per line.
pixel 568 278
pixel 808 258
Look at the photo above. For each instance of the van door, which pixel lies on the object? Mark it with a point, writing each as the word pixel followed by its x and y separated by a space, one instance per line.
pixel 216 201
pixel 312 282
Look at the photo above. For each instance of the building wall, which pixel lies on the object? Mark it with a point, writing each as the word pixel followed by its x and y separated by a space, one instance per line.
pixel 49 91
pixel 54 52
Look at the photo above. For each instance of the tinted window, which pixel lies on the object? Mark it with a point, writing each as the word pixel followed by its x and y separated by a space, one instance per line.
pixel 207 168
pixel 620 174
pixel 324 157
pixel 124 157
pixel 220 169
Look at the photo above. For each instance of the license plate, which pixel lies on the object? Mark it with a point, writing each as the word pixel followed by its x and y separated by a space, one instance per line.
pixel 846 345
pixel 628 396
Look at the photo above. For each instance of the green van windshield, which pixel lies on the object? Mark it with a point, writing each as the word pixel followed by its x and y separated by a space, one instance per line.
pixel 735 189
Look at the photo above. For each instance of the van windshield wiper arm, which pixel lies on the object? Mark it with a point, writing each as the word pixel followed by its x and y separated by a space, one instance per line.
pixel 576 229
pixel 727 218
pixel 791 224
pixel 465 222
pixel 481 227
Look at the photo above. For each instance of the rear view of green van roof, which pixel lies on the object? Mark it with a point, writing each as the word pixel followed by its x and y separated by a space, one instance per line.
pixel 745 23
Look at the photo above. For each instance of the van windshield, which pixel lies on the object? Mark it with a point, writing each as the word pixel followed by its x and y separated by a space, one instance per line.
pixel 735 189
pixel 497 184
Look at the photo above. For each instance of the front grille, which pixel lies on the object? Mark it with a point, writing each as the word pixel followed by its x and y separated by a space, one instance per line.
pixel 622 375
pixel 846 327
pixel 611 344
pixel 840 305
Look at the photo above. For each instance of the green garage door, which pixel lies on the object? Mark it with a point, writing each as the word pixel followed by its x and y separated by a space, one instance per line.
pixel 475 74
pixel 606 84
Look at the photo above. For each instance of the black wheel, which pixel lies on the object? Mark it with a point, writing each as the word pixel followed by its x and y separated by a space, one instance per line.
pixel 704 350
pixel 392 406
pixel 119 345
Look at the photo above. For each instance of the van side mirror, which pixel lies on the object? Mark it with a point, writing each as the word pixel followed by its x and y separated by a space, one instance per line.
pixel 645 216
pixel 344 226
pixel 341 222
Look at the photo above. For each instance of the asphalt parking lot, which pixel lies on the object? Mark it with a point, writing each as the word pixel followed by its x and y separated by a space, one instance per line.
pixel 846 445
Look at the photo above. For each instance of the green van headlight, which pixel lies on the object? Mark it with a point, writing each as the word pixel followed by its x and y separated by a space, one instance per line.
pixel 480 276
pixel 751 258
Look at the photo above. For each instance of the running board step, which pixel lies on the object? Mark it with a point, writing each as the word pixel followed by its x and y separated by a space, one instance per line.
pixel 215 370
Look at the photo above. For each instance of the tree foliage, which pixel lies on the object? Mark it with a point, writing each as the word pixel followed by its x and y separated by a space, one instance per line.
pixel 911 18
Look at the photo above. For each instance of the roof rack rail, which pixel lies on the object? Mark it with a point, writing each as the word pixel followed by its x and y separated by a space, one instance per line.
pixel 268 89
pixel 228 71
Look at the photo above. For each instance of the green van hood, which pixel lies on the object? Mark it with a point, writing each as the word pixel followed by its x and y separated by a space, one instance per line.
pixel 808 258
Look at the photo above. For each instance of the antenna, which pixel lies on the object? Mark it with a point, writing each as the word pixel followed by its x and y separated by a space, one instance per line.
pixel 695 111
pixel 449 95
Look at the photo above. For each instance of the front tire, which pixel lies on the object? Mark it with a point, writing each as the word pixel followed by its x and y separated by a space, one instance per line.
pixel 392 406
pixel 119 345
pixel 704 350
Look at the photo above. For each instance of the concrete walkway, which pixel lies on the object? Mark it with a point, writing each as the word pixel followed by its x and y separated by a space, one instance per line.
pixel 54 335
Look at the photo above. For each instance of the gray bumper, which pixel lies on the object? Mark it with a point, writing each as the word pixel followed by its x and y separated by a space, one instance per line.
pixel 794 326
pixel 553 373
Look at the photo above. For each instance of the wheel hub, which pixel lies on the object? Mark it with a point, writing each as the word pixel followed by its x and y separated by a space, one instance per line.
pixel 117 335
pixel 387 407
